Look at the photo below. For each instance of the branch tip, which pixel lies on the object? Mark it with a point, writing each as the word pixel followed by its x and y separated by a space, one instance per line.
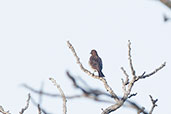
pixel 62 94
pixel 27 105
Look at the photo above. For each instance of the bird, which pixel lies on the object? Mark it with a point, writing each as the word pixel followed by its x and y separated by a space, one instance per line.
pixel 96 63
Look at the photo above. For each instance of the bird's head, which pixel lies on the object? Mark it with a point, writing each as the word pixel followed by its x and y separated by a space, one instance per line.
pixel 93 52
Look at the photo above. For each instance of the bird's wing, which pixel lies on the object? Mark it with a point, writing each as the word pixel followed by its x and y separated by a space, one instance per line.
pixel 100 63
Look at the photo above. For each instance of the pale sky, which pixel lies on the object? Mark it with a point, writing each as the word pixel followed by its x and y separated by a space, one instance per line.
pixel 33 37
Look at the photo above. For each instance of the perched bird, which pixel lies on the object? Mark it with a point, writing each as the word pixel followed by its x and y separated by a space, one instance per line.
pixel 96 62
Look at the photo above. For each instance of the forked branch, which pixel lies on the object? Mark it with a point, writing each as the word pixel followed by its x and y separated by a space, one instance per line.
pixel 153 104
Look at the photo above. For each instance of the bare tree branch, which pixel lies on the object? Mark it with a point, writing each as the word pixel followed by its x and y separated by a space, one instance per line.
pixel 50 94
pixel 127 90
pixel 27 105
pixel 130 103
pixel 90 93
pixel 153 72
pixel 3 111
pixel 132 95
pixel 62 94
pixel 40 92
pixel 39 109
pixel 130 59
pixel 127 76
pixel 87 91
pixel 153 104
pixel 36 104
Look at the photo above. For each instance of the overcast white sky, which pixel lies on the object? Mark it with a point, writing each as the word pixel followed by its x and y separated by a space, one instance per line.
pixel 33 37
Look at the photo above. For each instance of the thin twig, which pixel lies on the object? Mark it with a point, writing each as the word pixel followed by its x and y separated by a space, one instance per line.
pixel 27 105
pixel 130 59
pixel 153 72
pixel 62 94
pixel 132 95
pixel 127 76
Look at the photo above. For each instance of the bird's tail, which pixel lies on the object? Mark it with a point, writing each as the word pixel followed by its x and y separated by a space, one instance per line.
pixel 101 74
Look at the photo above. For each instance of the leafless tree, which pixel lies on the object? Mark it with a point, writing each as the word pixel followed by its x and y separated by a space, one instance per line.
pixel 94 94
